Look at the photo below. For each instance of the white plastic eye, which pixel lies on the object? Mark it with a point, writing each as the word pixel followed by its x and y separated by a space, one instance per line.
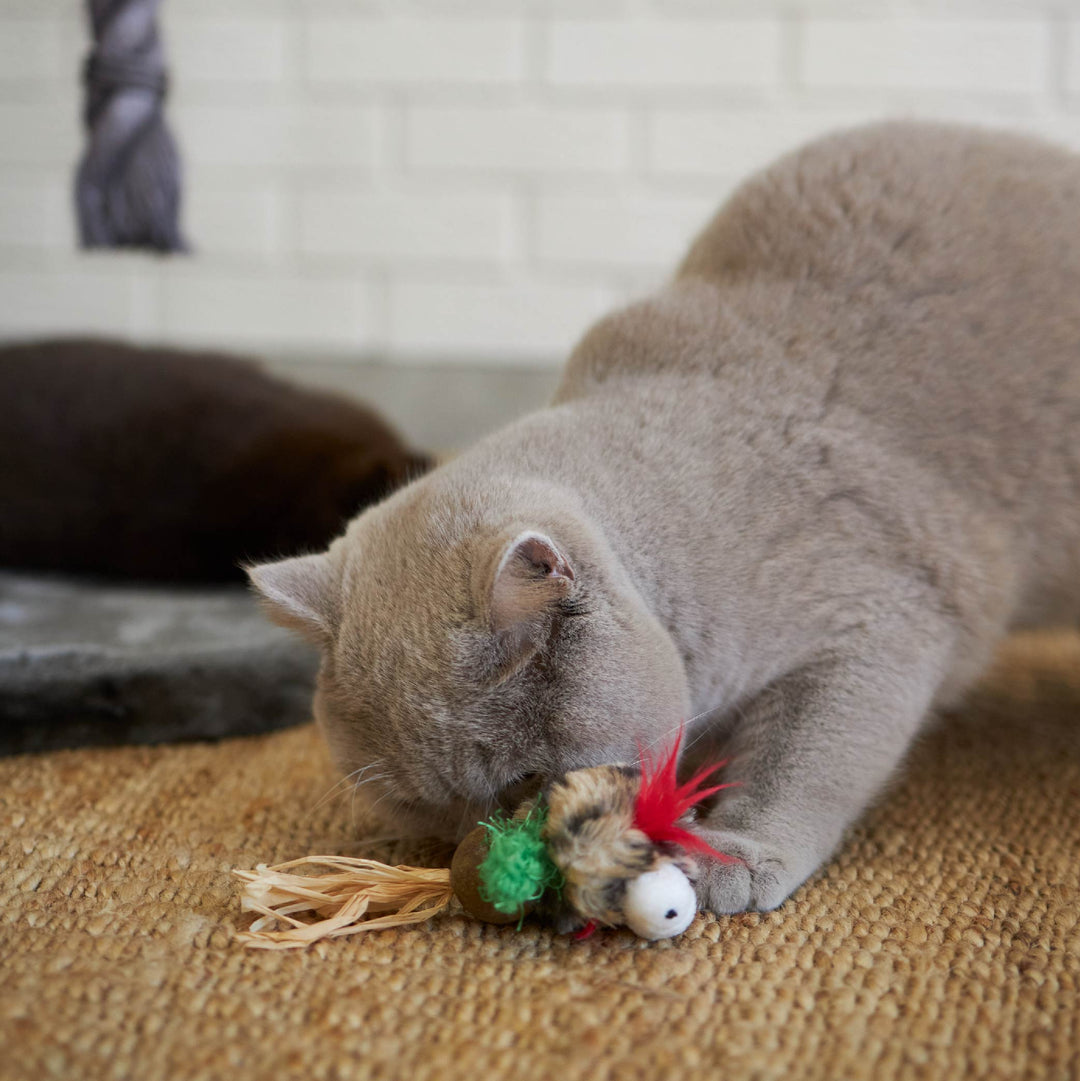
pixel 660 903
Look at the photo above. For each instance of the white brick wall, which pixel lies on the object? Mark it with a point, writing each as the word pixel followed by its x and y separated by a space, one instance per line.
pixel 241 219
pixel 990 56
pixel 229 49
pixel 405 227
pixel 281 137
pixel 631 230
pixel 30 50
pixel 414 52
pixel 650 53
pixel 1072 78
pixel 290 309
pixel 471 179
pixel 64 299
pixel 32 212
pixel 38 133
pixel 726 143
pixel 527 321
pixel 528 139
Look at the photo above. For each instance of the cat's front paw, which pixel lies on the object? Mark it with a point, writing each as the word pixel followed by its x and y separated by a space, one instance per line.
pixel 761 879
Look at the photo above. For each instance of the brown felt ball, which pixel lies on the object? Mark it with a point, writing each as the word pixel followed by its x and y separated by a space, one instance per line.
pixel 465 879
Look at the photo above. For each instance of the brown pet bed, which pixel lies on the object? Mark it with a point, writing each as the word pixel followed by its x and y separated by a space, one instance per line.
pixel 942 942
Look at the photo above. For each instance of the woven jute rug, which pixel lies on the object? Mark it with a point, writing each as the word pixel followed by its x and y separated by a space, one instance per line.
pixel 942 942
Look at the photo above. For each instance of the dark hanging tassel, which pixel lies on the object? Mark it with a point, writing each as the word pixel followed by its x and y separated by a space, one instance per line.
pixel 128 186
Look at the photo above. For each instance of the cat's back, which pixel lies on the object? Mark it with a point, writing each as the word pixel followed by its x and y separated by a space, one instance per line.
pixel 932 273
pixel 880 243
pixel 900 203
pixel 926 277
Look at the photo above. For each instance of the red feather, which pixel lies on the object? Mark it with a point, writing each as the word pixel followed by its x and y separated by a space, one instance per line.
pixel 662 802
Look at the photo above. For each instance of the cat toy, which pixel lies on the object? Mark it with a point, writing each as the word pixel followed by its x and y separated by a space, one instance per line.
pixel 607 846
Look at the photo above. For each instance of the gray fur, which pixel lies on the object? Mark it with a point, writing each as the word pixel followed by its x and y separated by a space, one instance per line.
pixel 807 487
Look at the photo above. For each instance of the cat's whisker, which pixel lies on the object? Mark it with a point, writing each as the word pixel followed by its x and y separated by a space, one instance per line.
pixel 702 715
pixel 681 726
pixel 369 842
pixel 339 788
pixel 492 797
pixel 374 777
pixel 467 813
pixel 371 808
pixel 704 733
pixel 336 791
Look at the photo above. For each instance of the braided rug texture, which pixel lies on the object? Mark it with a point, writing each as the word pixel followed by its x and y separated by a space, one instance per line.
pixel 942 942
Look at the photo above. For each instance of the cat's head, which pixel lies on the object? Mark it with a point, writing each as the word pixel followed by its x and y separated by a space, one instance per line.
pixel 476 638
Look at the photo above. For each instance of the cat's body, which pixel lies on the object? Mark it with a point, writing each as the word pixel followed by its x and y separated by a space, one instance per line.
pixel 161 464
pixel 806 487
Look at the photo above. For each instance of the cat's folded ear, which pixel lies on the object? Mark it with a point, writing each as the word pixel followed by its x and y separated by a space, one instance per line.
pixel 299 593
pixel 530 579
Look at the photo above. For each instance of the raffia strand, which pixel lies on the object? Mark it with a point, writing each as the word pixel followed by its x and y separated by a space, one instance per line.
pixel 355 895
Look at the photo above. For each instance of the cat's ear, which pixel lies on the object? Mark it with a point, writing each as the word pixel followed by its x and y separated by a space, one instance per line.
pixel 299 593
pixel 532 576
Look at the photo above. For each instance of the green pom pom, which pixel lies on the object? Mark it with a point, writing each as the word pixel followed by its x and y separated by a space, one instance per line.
pixel 517 868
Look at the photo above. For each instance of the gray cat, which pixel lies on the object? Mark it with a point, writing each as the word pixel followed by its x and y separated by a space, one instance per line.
pixel 803 490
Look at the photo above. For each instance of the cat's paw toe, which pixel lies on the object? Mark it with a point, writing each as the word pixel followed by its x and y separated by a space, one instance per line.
pixel 758 879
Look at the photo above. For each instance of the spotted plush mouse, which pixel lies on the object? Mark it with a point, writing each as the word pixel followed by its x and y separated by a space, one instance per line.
pixel 608 846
